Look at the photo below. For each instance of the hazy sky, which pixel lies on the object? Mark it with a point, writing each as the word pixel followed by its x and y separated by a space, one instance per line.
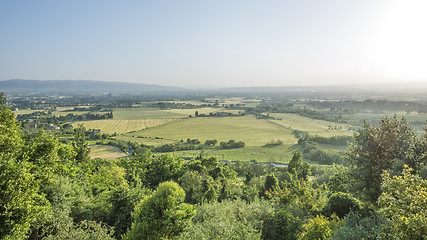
pixel 215 43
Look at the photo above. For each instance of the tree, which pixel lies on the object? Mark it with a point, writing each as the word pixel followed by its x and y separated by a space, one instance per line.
pixel 271 184
pixel 162 215
pixel 319 228
pixel 282 225
pixel 403 201
pixel 297 167
pixel 229 220
pixel 196 113
pixel 384 147
pixel 21 204
pixel 80 145
pixel 341 203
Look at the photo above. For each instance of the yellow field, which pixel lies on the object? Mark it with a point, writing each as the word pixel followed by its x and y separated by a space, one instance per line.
pixel 26 111
pixel 123 126
pixel 313 126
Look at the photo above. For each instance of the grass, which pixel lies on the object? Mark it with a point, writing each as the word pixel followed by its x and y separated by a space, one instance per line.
pixel 252 131
pixel 417 120
pixel 282 154
pixel 122 126
pixel 187 112
pixel 313 126
pixel 106 152
pixel 61 113
pixel 146 141
pixel 26 111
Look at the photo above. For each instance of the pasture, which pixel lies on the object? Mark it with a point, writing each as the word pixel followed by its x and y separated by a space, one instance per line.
pixel 278 154
pixel 252 131
pixel 123 126
pixel 64 113
pixel 313 126
pixel 106 152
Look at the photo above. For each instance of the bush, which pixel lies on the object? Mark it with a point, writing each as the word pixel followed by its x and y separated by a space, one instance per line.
pixel 341 204
pixel 231 144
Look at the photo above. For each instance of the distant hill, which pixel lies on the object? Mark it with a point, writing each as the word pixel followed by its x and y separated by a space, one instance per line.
pixel 79 86
pixel 387 88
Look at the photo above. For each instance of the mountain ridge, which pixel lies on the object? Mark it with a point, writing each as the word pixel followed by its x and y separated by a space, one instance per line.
pixel 81 86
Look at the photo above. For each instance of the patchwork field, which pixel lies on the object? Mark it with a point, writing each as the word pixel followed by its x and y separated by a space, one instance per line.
pixel 123 126
pixel 313 126
pixel 252 131
pixel 106 152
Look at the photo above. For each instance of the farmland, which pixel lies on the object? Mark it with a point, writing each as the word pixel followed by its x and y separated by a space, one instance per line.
pixel 278 154
pixel 106 152
pixel 252 131
pixel 313 126
pixel 123 126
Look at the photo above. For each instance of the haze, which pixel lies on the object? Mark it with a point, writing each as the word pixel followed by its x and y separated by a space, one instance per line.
pixel 215 43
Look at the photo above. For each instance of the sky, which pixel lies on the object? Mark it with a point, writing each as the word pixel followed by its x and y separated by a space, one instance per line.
pixel 205 44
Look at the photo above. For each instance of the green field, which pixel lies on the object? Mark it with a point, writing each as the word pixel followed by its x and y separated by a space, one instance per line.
pixel 147 141
pixel 313 126
pixel 252 131
pixel 62 113
pixel 26 111
pixel 106 152
pixel 282 154
pixel 123 126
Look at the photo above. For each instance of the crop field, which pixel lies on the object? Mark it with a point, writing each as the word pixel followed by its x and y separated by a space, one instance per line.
pixel 123 126
pixel 106 152
pixel 252 131
pixel 142 113
pixel 26 111
pixel 313 126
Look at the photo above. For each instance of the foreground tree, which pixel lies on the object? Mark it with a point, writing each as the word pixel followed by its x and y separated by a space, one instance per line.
pixel 404 203
pixel 161 216
pixel 20 202
pixel 384 147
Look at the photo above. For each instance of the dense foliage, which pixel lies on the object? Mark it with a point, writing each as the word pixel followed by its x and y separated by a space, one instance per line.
pixel 51 190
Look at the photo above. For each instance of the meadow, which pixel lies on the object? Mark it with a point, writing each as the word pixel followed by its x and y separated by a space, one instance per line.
pixel 106 152
pixel 252 131
pixel 276 154
pixel 313 126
